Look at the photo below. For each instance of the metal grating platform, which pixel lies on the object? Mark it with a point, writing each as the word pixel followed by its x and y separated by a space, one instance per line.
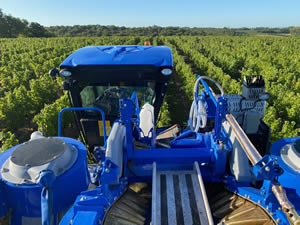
pixel 179 198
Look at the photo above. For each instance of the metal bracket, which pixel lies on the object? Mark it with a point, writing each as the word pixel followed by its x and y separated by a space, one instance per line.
pixel 126 112
pixel 220 116
pixel 109 173
pixel 267 169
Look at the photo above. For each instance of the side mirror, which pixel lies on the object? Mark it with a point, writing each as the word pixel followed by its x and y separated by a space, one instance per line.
pixel 264 96
pixel 54 73
pixel 66 85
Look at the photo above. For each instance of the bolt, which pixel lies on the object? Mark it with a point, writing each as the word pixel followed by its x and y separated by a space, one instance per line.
pixel 107 170
pixel 71 221
pixel 267 169
pixel 258 201
pixel 83 198
pixel 267 208
pixel 221 103
pixel 115 198
pixel 278 220
pixel 279 208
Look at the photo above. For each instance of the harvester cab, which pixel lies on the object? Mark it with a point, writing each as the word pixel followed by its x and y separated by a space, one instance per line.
pixel 101 76
pixel 218 170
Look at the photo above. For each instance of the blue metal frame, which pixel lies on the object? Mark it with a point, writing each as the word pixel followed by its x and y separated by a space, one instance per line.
pixel 212 156
pixel 82 109
pixel 220 116
pixel 208 91
pixel 271 170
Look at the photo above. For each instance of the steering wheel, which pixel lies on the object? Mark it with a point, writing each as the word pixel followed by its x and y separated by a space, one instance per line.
pixel 112 92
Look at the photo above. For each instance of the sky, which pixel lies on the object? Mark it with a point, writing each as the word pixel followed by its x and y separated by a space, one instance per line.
pixel 140 13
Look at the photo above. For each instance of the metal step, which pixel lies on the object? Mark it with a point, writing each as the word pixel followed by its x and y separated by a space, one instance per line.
pixel 179 198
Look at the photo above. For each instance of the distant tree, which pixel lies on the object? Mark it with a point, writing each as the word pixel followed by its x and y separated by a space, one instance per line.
pixel 37 30
pixel 11 27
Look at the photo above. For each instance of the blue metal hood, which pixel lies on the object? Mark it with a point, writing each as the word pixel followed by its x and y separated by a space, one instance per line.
pixel 158 56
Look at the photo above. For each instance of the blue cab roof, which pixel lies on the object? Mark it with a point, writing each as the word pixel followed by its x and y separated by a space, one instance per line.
pixel 120 55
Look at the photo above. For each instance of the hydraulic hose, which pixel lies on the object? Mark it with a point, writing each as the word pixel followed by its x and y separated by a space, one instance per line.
pixel 198 114
pixel 206 78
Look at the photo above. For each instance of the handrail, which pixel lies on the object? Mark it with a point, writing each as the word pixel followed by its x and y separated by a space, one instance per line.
pixel 82 109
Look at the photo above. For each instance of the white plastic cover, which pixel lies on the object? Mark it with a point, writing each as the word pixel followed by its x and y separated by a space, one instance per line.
pixel 114 145
pixel 147 121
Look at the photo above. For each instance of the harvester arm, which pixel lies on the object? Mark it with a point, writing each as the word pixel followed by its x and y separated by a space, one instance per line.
pixel 255 157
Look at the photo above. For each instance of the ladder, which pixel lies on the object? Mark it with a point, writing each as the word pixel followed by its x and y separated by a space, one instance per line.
pixel 179 198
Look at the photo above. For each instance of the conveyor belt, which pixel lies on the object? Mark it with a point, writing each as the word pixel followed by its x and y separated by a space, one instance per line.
pixel 179 198
pixel 130 209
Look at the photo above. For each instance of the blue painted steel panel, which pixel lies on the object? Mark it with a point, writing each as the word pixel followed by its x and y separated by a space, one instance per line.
pixel 90 206
pixel 290 178
pixel 166 155
pixel 120 55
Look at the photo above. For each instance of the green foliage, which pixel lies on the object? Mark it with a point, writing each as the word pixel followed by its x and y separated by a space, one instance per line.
pixel 99 30
pixel 164 116
pixel 7 140
pixel 27 92
pixel 227 59
pixel 21 104
pixel 47 119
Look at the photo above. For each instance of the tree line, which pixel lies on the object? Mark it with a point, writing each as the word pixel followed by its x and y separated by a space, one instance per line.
pixel 12 27
pixel 154 31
